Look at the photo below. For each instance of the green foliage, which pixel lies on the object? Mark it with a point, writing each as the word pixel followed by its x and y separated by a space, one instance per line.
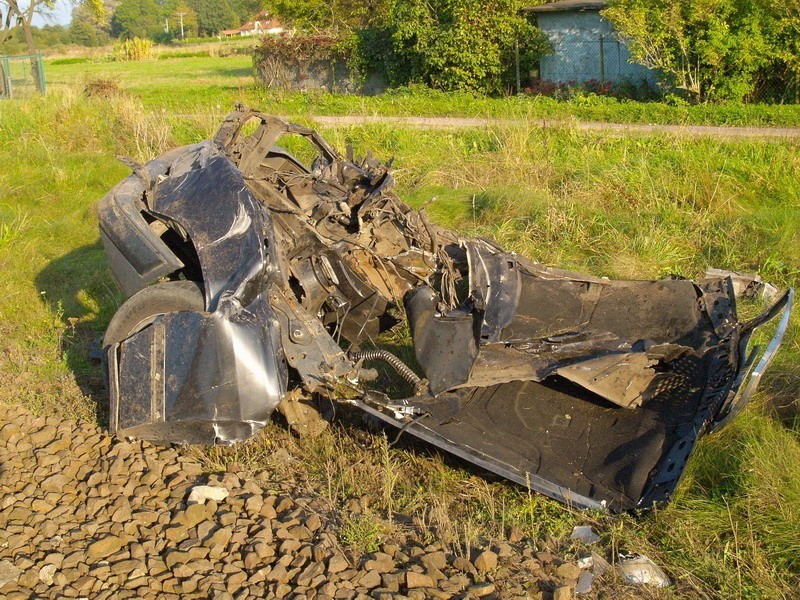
pixel 361 532
pixel 214 15
pixel 447 44
pixel 83 33
pixel 48 36
pixel 136 19
pixel 454 44
pixel 331 15
pixel 302 48
pixel 190 21
pixel 710 49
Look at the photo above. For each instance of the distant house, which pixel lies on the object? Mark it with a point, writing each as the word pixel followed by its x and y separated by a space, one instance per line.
pixel 261 25
pixel 585 45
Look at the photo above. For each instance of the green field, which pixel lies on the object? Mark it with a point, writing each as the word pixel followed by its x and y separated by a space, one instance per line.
pixel 635 206
pixel 188 85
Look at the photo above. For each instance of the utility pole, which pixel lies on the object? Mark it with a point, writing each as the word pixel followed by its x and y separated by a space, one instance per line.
pixel 181 16
pixel 166 25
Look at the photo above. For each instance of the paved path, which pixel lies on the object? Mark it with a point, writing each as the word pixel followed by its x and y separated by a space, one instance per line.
pixel 457 122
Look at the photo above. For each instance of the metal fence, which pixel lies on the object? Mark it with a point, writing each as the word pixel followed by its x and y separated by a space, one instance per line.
pixel 604 63
pixel 22 76
pixel 602 59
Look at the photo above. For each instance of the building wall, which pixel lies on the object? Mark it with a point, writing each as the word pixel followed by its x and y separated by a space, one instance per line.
pixel 576 37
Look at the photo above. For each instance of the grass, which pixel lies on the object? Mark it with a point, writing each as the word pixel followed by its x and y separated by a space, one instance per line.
pixel 640 206
pixel 223 80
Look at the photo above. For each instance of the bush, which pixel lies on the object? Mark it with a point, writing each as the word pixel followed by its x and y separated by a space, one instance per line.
pixel 572 90
pixel 301 61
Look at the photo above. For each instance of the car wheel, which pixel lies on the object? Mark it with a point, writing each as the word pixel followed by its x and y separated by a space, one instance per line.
pixel 144 306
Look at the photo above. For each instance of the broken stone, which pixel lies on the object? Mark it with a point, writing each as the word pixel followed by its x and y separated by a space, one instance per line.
pixel 599 565
pixel 337 563
pixel 482 589
pixel 418 580
pixel 47 573
pixel 486 561
pixel 584 585
pixel 568 571
pixel 104 547
pixel 201 493
pixel 371 579
pixel 8 572
pixel 563 592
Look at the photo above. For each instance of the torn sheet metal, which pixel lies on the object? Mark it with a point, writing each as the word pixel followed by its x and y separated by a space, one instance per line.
pixel 589 390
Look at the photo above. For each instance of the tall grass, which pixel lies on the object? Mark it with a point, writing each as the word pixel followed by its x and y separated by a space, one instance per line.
pixel 641 206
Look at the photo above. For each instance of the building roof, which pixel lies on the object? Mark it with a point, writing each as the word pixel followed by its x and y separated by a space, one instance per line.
pixel 261 24
pixel 567 5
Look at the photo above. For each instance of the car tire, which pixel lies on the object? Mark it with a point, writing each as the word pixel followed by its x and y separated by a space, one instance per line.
pixel 145 305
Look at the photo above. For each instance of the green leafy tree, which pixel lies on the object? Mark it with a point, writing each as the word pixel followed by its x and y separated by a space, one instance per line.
pixel 711 49
pixel 461 44
pixel 246 10
pixel 190 23
pixel 19 14
pixel 785 32
pixel 88 28
pixel 82 33
pixel 136 18
pixel 333 15
pixel 214 15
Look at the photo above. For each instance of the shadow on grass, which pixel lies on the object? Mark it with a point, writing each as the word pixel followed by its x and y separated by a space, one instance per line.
pixel 78 288
pixel 783 402
pixel 237 72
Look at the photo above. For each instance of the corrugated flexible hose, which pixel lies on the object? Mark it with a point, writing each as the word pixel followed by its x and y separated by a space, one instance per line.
pixel 398 365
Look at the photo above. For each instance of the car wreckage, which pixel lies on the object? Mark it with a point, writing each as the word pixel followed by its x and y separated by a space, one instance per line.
pixel 253 278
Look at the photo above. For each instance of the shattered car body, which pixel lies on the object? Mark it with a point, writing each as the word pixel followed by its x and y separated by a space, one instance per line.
pixel 251 275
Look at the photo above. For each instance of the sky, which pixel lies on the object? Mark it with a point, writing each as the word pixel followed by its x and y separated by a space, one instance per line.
pixel 61 15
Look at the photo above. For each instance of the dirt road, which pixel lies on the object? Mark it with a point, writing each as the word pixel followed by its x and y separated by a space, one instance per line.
pixel 622 128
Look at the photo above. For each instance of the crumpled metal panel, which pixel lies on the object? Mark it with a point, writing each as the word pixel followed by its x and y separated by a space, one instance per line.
pixel 191 377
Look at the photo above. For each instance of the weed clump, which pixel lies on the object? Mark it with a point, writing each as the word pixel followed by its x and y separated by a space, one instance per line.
pixel 103 88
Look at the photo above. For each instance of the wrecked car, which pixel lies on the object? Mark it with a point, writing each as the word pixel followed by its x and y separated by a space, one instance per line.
pixel 254 278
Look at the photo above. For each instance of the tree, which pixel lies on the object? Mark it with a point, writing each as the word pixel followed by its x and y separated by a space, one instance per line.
pixel 15 14
pixel 190 22
pixel 462 44
pixel 711 49
pixel 213 16
pixel 90 29
pixel 246 9
pixel 136 18
pixel 331 15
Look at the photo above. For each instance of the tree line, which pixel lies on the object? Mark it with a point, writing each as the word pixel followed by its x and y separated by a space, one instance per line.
pixel 705 50
pixel 98 22
pixel 702 50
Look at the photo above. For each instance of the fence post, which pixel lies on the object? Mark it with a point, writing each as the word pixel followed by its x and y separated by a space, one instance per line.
pixel 602 60
pixel 43 85
pixel 3 91
pixel 7 77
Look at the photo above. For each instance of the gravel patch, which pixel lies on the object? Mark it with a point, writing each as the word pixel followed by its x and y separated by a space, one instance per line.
pixel 86 515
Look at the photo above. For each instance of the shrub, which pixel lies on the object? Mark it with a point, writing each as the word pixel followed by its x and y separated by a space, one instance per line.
pixel 133 49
